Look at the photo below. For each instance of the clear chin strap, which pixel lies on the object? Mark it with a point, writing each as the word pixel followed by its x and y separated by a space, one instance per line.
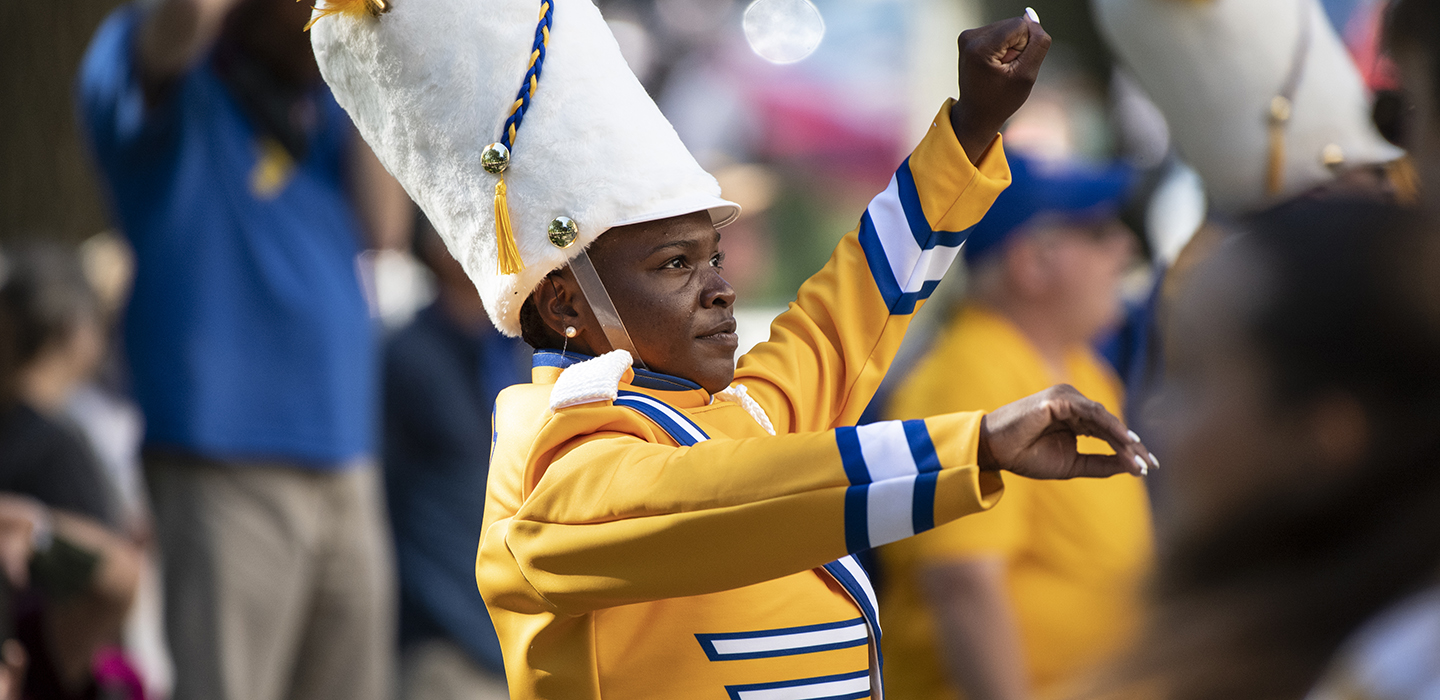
pixel 601 306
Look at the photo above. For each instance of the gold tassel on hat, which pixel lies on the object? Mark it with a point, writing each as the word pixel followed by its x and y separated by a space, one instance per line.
pixel 510 262
pixel 1280 109
pixel 495 159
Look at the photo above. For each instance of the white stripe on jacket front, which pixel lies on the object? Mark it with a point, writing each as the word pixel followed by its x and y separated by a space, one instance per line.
pixel 789 641
pixel 847 686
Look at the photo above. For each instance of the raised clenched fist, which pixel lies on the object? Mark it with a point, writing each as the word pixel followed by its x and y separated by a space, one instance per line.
pixel 998 66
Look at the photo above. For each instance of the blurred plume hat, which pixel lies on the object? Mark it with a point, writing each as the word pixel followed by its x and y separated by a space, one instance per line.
pixel 1260 95
pixel 515 125
pixel 1050 190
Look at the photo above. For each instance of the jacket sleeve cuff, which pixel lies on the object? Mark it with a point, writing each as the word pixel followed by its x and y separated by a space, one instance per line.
pixel 906 477
pixel 954 193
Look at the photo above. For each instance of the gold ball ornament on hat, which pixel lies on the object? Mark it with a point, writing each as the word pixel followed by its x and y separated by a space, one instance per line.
pixel 563 231
pixel 495 159
pixel 1332 156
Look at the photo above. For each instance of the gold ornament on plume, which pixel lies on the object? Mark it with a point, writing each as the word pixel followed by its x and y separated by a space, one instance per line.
pixel 354 8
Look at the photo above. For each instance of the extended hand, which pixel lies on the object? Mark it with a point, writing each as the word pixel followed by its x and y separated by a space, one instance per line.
pixel 998 65
pixel 1035 437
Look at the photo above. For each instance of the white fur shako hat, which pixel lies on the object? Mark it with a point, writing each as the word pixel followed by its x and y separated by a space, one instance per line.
pixel 1260 95
pixel 433 85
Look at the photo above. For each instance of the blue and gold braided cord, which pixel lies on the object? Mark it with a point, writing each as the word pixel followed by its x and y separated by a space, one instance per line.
pixel 510 261
pixel 532 75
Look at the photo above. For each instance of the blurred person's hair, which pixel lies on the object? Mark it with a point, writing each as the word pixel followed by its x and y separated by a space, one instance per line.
pixel 1413 25
pixel 43 299
pixel 1255 607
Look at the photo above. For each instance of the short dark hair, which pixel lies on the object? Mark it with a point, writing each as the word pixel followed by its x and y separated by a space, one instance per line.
pixel 46 296
pixel 43 299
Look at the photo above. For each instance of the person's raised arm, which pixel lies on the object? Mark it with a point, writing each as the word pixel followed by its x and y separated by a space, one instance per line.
pixel 828 353
pixel 173 36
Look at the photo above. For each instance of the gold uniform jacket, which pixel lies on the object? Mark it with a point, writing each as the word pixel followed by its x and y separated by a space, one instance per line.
pixel 644 539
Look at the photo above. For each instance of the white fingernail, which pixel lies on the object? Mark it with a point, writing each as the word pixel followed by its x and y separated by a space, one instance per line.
pixel 1030 12
pixel 1140 462
pixel 1133 436
pixel 1155 461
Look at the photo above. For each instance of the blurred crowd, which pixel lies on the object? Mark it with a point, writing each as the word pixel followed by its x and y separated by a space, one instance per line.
pixel 244 434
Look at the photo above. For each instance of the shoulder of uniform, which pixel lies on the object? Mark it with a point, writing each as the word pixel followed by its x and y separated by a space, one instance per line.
pixel 738 394
pixel 593 380
pixel 525 394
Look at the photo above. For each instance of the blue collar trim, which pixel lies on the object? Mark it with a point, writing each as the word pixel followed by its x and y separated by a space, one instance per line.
pixel 550 358
pixel 644 378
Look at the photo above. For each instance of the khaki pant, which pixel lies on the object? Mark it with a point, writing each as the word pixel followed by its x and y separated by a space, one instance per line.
pixel 440 670
pixel 279 581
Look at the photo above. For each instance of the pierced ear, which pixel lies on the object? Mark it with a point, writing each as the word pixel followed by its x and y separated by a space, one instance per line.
pixel 554 299
pixel 562 305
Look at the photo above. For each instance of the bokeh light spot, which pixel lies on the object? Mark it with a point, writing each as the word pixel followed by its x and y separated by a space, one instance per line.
pixel 783 31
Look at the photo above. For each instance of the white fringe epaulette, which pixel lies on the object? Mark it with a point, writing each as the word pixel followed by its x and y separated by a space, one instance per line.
pixel 737 393
pixel 596 379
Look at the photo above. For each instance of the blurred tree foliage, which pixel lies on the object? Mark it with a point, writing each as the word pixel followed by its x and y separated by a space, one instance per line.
pixel 46 185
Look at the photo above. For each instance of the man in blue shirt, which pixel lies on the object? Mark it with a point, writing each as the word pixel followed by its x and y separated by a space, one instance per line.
pixel 244 190
pixel 442 373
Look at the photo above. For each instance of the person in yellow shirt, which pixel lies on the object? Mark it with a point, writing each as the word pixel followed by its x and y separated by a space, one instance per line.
pixel 1010 603
pixel 660 523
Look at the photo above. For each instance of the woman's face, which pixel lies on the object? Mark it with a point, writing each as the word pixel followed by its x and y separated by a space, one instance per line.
pixel 665 279
pixel 1081 266
pixel 1223 440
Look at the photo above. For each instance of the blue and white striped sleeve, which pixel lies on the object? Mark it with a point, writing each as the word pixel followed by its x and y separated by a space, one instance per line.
pixel 893 469
pixel 906 256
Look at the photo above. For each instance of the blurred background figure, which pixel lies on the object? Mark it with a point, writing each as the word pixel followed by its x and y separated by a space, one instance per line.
pixel 56 339
pixel 1262 97
pixel 1013 603
pixel 442 373
pixel 99 404
pixel 1299 407
pixel 246 196
pixel 63 546
pixel 1266 103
